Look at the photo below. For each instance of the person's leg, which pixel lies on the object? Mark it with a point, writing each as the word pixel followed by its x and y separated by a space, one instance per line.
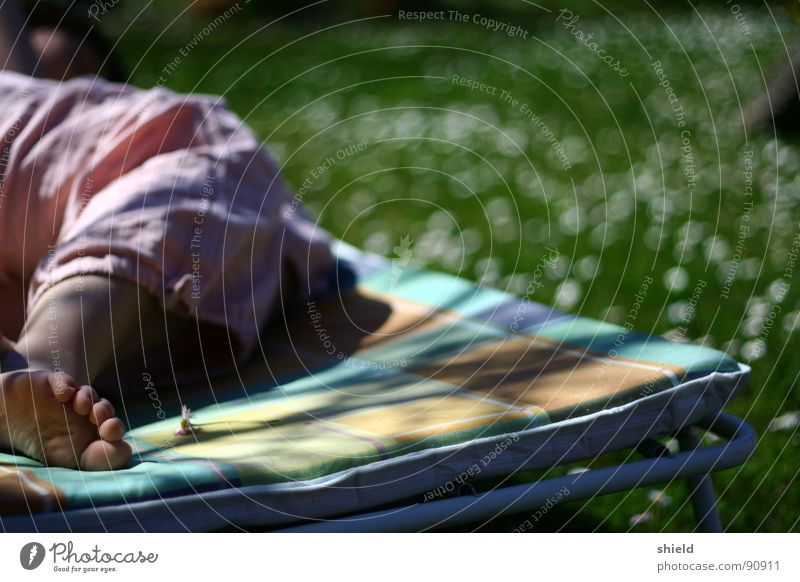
pixel 77 329
pixel 81 325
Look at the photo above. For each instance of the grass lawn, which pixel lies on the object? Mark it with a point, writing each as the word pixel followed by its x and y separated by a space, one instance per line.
pixel 647 174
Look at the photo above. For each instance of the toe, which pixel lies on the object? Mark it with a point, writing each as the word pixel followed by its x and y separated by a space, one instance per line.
pixel 111 430
pixel 103 455
pixel 63 386
pixel 101 412
pixel 84 400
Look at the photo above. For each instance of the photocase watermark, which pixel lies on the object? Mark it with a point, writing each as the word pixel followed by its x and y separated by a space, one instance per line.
pixel 568 20
pixel 549 261
pixel 31 555
pixel 663 80
pixel 401 259
pixel 195 41
pixel 791 258
pixel 329 347
pixel 323 336
pixel 780 289
pixel 454 486
pixel 687 161
pixel 5 156
pixel 169 69
pixel 744 226
pixel 627 325
pixel 359 364
pixel 53 334
pixel 538 121
pixel 318 171
pixel 679 115
pixel 741 21
pixel 527 111
pixel 551 502
pixel 8 140
pixel 476 85
pixel 195 242
pixel 65 558
pixel 152 393
pixel 87 192
pixel 677 336
pixel 490 24
pixel 457 484
pixel 691 309
pixel 100 8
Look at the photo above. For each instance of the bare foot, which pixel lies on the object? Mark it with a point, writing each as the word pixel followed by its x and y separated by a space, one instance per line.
pixel 48 417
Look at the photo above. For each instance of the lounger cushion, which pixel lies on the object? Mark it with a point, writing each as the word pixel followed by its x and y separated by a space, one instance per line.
pixel 398 386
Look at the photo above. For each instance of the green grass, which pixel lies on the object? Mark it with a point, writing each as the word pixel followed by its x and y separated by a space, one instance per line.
pixel 481 193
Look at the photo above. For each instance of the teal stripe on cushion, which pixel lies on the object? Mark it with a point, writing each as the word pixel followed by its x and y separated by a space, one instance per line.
pixel 144 480
pixel 351 378
pixel 434 289
pixel 21 462
pixel 448 339
pixel 455 294
pixel 140 413
pixel 338 377
pixel 615 340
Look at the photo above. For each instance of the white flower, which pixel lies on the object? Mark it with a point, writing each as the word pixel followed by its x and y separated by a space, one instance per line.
pixel 787 421
pixel 676 279
pixel 640 518
pixel 186 421
pixel 673 446
pixel 659 498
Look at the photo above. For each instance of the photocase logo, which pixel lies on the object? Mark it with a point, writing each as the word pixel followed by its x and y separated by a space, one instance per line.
pixel 403 256
pixel 31 555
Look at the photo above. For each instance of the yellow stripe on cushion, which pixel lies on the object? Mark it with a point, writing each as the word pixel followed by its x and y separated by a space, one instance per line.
pixel 435 416
pixel 560 381
pixel 264 454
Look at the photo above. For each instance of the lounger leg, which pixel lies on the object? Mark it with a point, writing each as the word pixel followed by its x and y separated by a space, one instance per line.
pixel 701 489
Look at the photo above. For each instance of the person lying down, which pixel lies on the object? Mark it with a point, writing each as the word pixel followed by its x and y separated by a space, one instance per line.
pixel 140 231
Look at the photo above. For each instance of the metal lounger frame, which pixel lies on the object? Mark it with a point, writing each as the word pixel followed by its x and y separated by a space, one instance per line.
pixel 693 463
pixel 219 509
